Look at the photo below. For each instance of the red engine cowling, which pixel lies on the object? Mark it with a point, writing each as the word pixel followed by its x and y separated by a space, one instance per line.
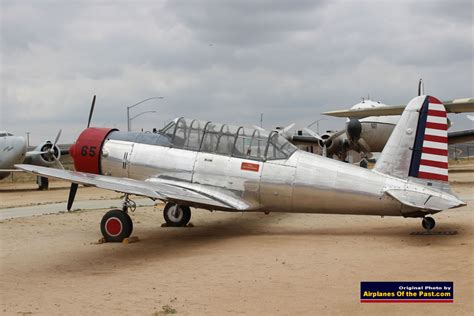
pixel 86 151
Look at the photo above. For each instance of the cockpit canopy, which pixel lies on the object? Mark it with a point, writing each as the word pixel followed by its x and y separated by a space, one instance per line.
pixel 229 140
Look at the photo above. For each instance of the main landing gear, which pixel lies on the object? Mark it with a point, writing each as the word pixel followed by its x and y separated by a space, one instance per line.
pixel 116 225
pixel 428 223
pixel 176 215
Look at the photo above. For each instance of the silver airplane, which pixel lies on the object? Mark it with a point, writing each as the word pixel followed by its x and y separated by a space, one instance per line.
pixel 192 163
pixel 13 150
pixel 368 127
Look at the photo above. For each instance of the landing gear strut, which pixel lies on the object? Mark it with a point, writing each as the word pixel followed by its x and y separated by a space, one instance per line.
pixel 116 225
pixel 43 183
pixel 176 215
pixel 428 223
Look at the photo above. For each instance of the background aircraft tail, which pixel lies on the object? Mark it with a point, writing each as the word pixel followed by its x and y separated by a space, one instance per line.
pixel 418 147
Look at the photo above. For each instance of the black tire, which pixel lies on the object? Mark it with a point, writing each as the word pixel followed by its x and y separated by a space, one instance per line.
pixel 363 163
pixel 428 223
pixel 176 215
pixel 116 225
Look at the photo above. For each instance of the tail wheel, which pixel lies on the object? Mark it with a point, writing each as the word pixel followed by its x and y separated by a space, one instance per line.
pixel 116 225
pixel 176 215
pixel 428 223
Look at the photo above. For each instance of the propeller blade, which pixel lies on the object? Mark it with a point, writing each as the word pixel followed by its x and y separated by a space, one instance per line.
pixel 336 134
pixel 91 112
pixel 325 151
pixel 72 195
pixel 365 147
pixel 57 138
pixel 313 133
pixel 36 152
pixel 60 165
pixel 286 129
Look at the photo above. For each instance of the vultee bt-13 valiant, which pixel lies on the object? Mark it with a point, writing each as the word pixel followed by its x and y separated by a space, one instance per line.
pixel 192 163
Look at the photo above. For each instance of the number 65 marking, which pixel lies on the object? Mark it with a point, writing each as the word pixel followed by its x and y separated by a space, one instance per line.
pixel 88 151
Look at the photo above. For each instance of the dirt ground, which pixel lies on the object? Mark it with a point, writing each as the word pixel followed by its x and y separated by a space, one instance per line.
pixel 228 263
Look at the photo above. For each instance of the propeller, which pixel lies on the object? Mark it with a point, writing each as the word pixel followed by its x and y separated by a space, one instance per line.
pixel 258 128
pixel 49 151
pixel 421 87
pixel 319 138
pixel 74 186
pixel 72 195
pixel 284 131
pixel 91 112
pixel 51 154
pixel 363 144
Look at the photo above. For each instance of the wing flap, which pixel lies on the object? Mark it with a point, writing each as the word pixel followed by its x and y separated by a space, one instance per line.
pixel 166 191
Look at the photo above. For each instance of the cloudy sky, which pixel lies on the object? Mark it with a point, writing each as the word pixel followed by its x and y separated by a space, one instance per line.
pixel 225 61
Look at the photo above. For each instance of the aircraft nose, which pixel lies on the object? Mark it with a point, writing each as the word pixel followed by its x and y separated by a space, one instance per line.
pixel 72 150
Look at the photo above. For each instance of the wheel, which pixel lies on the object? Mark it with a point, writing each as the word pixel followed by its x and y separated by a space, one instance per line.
pixel 428 223
pixel 363 163
pixel 116 225
pixel 176 215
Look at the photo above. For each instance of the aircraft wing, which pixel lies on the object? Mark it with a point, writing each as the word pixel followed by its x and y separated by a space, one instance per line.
pixel 461 137
pixel 11 170
pixel 164 190
pixel 452 106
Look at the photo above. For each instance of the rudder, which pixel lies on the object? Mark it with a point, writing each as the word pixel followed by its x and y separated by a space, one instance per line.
pixel 418 147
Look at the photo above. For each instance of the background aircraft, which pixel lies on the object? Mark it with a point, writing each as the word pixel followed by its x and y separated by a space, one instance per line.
pixel 13 150
pixel 368 127
pixel 192 163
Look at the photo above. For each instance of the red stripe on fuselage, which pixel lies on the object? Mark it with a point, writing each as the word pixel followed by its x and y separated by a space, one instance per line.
pixel 432 163
pixel 438 139
pixel 432 176
pixel 437 113
pixel 435 151
pixel 439 126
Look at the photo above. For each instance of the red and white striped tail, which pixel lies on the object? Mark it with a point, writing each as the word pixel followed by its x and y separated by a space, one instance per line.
pixel 433 164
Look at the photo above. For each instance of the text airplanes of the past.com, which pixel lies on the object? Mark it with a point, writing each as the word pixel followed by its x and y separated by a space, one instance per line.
pixel 384 291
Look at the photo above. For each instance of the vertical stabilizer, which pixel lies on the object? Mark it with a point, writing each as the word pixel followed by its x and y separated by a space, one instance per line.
pixel 418 146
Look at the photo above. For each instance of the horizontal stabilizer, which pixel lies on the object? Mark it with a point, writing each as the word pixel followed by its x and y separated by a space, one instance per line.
pixel 427 200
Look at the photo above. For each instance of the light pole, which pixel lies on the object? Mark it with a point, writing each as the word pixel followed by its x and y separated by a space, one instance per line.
pixel 134 105
pixel 28 139
pixel 134 117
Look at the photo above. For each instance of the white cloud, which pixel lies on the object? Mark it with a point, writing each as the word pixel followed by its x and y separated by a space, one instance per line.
pixel 224 61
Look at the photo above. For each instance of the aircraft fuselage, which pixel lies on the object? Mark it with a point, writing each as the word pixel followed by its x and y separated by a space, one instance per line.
pixel 303 183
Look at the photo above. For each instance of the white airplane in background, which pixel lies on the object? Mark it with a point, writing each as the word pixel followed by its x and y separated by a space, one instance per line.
pixel 13 150
pixel 368 127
